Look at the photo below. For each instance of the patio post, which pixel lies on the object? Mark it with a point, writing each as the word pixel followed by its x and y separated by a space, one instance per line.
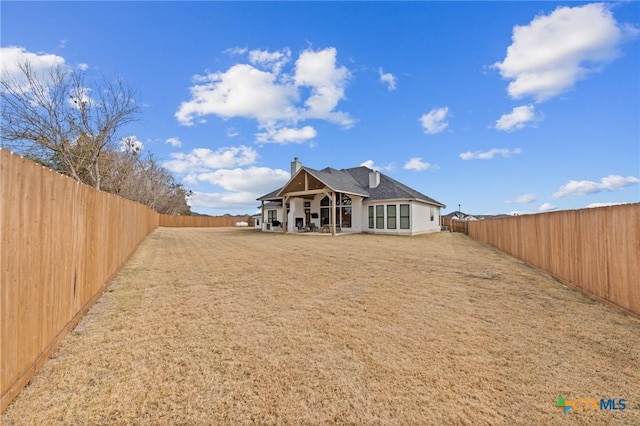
pixel 333 213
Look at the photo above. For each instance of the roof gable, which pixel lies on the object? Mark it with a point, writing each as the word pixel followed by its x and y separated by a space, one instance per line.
pixel 310 179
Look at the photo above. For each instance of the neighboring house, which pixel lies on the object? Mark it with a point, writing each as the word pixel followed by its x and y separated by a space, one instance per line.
pixel 363 200
pixel 460 216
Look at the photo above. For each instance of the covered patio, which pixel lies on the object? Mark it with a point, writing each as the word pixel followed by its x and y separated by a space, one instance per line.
pixel 308 205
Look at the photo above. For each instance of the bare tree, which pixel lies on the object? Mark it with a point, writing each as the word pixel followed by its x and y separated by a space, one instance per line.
pixel 58 120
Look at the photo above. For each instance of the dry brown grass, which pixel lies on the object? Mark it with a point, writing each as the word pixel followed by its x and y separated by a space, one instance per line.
pixel 219 326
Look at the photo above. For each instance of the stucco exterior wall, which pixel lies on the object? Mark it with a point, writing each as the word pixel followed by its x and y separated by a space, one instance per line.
pixel 419 218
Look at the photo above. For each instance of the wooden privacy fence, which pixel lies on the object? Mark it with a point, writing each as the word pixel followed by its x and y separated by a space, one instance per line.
pixel 596 250
pixel 201 221
pixel 61 242
pixel 455 225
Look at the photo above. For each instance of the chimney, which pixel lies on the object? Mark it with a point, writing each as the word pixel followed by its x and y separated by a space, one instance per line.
pixel 374 179
pixel 295 166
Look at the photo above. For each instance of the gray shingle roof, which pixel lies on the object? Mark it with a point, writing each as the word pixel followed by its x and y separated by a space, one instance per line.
pixel 356 181
pixel 273 195
pixel 388 188
pixel 339 180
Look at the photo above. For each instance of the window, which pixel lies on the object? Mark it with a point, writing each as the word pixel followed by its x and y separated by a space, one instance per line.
pixel 404 216
pixel 325 219
pixel 391 216
pixel 379 217
pixel 432 214
pixel 345 219
pixel 343 210
pixel 272 215
pixel 371 217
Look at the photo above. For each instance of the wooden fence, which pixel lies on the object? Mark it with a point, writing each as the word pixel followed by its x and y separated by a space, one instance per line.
pixel 61 242
pixel 596 250
pixel 201 221
pixel 454 225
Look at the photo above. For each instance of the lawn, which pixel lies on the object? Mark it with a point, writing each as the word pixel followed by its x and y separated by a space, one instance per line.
pixel 234 326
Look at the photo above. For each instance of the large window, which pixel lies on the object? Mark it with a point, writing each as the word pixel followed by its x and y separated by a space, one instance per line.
pixel 343 210
pixel 325 212
pixel 405 222
pixel 345 216
pixel 272 215
pixel 391 216
pixel 371 217
pixel 325 218
pixel 379 217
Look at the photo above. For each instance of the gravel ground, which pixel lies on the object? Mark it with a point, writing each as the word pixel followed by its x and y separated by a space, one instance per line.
pixel 234 326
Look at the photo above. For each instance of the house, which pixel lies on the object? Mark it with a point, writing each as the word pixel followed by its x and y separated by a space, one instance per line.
pixel 352 200
pixel 460 216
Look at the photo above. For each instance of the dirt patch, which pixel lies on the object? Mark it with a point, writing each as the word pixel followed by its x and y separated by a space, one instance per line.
pixel 209 326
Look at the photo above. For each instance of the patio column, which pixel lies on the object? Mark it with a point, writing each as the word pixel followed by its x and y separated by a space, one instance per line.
pixel 284 214
pixel 262 219
pixel 333 213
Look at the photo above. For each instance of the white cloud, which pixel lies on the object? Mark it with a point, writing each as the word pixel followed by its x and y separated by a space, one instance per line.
pixel 232 132
pixel 488 155
pixel 553 51
pixel 593 205
pixel 237 186
pixel 523 199
pixel 241 187
pixel 257 180
pixel 11 57
pixel 435 120
pixel 416 164
pixel 131 144
pixel 286 135
pixel 388 78
pixel 547 207
pixel 370 164
pixel 83 67
pixel 241 91
pixel 517 118
pixel 82 96
pixel 318 70
pixel 263 92
pixel 582 187
pixel 204 159
pixel 175 142
pixel 224 200
pixel 272 60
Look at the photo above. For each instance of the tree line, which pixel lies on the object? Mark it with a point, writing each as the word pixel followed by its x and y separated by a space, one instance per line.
pixel 60 121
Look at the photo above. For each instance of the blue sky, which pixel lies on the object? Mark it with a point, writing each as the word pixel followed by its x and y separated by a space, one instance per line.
pixel 498 106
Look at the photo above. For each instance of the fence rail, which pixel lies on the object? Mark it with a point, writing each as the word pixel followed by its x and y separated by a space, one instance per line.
pixel 596 250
